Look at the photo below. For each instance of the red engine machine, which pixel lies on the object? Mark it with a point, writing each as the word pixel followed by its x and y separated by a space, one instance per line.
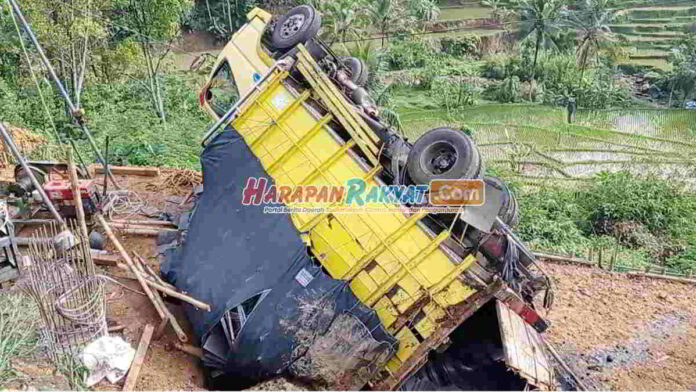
pixel 60 193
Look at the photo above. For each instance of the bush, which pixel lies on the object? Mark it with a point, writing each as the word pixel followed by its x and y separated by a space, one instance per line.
pixel 494 68
pixel 685 261
pixel 454 94
pixel 661 206
pixel 647 219
pixel 550 218
pixel 557 78
pixel 466 46
pixel 507 91
pixel 137 137
pixel 503 67
pixel 408 53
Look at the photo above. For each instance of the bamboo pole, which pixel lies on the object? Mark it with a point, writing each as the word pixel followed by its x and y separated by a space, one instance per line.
pixel 129 262
pixel 172 292
pixel 564 259
pixel 77 195
pixel 563 364
pixel 172 320
pixel 140 231
pixel 132 226
pixel 142 222
pixel 183 297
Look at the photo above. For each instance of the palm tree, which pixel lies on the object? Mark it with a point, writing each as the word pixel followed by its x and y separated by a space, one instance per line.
pixel 540 18
pixel 591 20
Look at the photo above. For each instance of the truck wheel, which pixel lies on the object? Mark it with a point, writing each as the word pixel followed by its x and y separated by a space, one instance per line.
pixel 443 154
pixel 299 25
pixel 358 70
pixel 509 211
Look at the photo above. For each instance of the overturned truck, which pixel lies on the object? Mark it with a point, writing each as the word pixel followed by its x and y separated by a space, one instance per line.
pixel 386 294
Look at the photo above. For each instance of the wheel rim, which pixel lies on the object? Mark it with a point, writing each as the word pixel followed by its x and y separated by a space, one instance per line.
pixel 439 158
pixel 292 25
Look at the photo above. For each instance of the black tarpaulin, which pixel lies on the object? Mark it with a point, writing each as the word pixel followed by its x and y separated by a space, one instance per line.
pixel 305 324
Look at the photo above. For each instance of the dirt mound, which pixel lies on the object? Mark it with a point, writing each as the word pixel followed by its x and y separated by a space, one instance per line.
pixel 26 140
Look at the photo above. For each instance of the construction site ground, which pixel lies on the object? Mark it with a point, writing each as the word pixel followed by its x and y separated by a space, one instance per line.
pixel 617 332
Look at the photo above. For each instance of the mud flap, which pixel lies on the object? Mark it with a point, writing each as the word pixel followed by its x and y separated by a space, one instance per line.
pixel 524 350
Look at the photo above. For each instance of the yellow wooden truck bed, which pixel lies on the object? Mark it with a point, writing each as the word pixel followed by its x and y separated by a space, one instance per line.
pixel 394 263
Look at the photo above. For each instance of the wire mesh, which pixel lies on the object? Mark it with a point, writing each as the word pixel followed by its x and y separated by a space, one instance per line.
pixel 69 295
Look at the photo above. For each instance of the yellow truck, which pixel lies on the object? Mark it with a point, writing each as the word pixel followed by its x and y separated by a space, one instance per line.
pixel 454 288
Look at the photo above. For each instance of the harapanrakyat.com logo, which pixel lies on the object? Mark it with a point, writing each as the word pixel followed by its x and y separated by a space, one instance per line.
pixel 358 195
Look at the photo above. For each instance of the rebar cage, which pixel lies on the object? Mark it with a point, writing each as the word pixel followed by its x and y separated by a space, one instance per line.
pixel 68 293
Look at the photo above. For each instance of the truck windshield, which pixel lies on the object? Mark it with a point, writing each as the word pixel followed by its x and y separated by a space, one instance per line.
pixel 223 92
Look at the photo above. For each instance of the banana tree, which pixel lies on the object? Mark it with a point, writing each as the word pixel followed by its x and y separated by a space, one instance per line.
pixel 540 19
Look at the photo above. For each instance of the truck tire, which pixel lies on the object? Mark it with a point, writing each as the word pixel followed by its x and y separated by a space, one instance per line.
pixel 299 25
pixel 509 211
pixel 358 70
pixel 443 154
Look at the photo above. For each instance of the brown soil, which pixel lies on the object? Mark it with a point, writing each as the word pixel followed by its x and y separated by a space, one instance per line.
pixel 165 367
pixel 625 333
pixel 616 332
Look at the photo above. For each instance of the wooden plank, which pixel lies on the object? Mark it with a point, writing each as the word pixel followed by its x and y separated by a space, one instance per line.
pixel 523 348
pixel 130 170
pixel 663 277
pixel 134 371
pixel 107 259
pixel 342 114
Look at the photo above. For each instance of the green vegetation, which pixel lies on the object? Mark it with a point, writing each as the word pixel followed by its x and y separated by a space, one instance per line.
pixel 459 13
pixel 651 221
pixel 18 332
pixel 511 93
pixel 219 17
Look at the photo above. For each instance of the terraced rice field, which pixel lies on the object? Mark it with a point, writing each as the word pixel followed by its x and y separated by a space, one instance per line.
pixel 464 12
pixel 653 27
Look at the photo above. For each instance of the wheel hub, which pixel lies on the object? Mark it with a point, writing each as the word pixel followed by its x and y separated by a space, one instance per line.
pixel 292 25
pixel 439 158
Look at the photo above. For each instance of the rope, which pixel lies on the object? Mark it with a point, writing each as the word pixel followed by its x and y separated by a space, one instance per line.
pixel 127 203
